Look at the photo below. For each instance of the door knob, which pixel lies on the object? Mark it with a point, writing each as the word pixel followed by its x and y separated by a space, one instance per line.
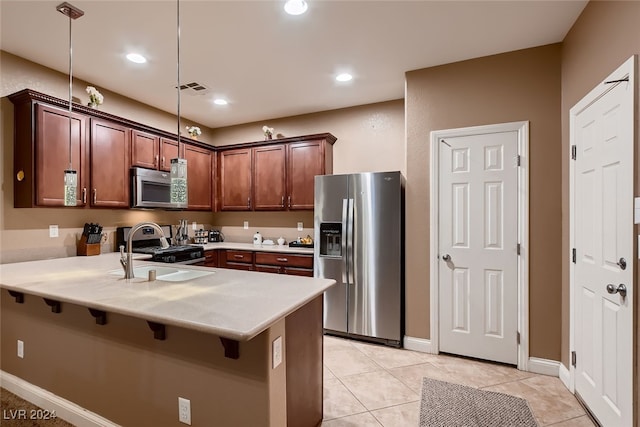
pixel 621 289
pixel 446 257
pixel 622 264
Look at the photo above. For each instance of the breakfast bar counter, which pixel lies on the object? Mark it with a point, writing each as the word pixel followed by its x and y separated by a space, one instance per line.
pixel 244 347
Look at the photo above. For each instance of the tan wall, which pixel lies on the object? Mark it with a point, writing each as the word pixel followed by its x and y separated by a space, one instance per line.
pixel 605 35
pixel 122 373
pixel 515 86
pixel 370 137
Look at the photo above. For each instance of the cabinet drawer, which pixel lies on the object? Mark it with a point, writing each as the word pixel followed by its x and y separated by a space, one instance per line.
pixel 289 260
pixel 306 272
pixel 268 268
pixel 239 266
pixel 240 256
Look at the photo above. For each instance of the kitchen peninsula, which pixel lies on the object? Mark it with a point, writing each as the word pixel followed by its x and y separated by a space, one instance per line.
pixel 128 349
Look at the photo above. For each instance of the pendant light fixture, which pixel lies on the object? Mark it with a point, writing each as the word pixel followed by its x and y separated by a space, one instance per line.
pixel 70 174
pixel 179 195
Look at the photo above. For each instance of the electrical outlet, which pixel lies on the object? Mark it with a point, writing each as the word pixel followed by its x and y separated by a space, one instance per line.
pixel 184 410
pixel 246 225
pixel 299 226
pixel 277 352
pixel 194 225
pixel 53 231
pixel 21 349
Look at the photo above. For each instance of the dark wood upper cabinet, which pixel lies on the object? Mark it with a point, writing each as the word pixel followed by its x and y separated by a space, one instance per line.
pixel 110 147
pixel 305 161
pixel 281 173
pixel 145 149
pixel 235 179
pixel 52 154
pixel 199 177
pixel 168 151
pixel 269 177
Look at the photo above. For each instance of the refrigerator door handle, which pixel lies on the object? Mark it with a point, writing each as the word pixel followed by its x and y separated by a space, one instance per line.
pixel 350 248
pixel 345 231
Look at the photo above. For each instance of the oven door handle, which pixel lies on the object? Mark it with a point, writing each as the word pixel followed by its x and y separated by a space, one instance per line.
pixel 190 261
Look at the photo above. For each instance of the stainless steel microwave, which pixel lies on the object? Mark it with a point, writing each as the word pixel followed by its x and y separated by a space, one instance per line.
pixel 151 189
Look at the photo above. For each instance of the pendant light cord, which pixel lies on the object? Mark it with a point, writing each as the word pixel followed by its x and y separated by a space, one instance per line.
pixel 178 86
pixel 70 87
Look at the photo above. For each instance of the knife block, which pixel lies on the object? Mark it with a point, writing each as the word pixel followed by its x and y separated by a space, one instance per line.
pixel 88 249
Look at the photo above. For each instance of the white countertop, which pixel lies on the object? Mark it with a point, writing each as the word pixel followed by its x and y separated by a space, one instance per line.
pixel 230 303
pixel 261 248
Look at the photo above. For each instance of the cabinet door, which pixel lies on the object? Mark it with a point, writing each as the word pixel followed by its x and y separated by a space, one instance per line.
pixel 110 146
pixel 168 151
pixel 306 160
pixel 235 180
pixel 52 154
pixel 144 149
pixel 199 177
pixel 269 177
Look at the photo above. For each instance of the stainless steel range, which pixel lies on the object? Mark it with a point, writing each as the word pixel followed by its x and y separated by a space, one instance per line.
pixel 147 241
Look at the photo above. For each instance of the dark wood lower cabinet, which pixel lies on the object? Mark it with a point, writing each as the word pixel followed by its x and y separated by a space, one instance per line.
pixel 266 262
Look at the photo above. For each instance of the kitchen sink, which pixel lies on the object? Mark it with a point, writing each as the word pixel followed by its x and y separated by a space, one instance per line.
pixel 167 274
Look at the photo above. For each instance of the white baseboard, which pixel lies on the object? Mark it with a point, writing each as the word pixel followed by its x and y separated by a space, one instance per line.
pixel 44 399
pixel 544 366
pixel 417 344
pixel 565 377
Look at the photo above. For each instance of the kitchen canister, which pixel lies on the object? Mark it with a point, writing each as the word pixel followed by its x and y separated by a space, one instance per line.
pixel 257 238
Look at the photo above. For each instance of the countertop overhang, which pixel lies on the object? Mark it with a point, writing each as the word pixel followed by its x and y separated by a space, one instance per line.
pixel 232 304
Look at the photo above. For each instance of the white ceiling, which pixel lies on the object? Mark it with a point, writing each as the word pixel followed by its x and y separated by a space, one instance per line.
pixel 266 63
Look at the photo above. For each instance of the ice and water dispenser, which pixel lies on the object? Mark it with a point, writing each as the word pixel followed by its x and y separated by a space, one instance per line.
pixel 331 239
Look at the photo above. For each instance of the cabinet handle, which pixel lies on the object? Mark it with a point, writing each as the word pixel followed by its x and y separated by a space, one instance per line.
pixel 155 161
pixel 163 161
pixel 239 256
pixel 282 201
pixel 248 202
pixel 289 202
pixel 282 259
pixel 95 196
pixel 84 195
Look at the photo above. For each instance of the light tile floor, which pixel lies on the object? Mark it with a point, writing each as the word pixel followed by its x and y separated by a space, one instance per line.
pixel 373 385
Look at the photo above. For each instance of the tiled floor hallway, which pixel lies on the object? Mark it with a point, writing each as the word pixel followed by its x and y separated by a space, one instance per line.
pixel 373 385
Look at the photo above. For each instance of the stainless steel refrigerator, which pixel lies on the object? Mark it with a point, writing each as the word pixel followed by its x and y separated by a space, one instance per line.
pixel 359 242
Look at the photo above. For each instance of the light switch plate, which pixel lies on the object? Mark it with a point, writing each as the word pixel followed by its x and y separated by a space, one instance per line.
pixel 194 225
pixel 299 226
pixel 246 225
pixel 53 231
pixel 277 352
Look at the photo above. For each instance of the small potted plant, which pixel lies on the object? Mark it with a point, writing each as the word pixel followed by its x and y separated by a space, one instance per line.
pixel 194 131
pixel 95 97
pixel 268 132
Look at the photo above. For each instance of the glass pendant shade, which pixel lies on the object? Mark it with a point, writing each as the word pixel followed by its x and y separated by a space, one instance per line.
pixel 179 194
pixel 70 187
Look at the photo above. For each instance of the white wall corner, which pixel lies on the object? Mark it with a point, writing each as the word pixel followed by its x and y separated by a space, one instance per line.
pixel 565 377
pixel 42 398
pixel 418 344
pixel 544 366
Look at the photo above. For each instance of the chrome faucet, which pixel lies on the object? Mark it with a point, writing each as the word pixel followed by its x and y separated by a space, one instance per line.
pixel 126 259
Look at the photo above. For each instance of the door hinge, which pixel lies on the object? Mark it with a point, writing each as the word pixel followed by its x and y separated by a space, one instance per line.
pixel 518 337
pixel 573 255
pixel 574 358
pixel 518 160
pixel 518 249
pixel 574 152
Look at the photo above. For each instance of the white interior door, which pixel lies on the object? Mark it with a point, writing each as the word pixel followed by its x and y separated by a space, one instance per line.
pixel 478 237
pixel 602 132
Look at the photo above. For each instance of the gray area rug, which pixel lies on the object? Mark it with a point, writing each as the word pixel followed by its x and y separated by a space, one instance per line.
pixel 452 405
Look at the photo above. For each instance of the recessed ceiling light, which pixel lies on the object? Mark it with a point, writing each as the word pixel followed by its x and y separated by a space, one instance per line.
pixel 137 58
pixel 344 77
pixel 220 101
pixel 295 7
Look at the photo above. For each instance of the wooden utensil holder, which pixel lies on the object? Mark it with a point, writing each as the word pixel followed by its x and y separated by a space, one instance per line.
pixel 88 249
